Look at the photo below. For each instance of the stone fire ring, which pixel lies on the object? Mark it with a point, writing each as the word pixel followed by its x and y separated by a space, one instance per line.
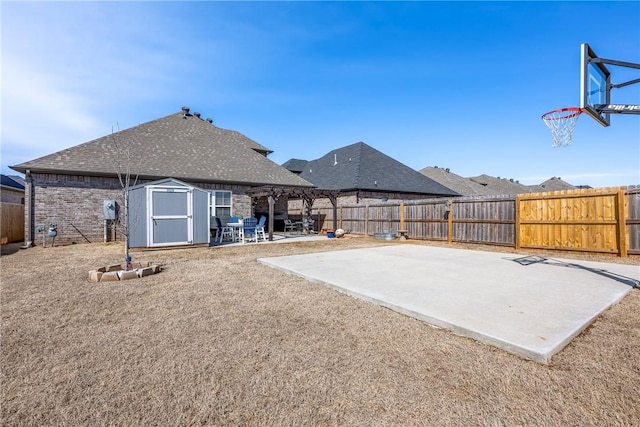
pixel 116 272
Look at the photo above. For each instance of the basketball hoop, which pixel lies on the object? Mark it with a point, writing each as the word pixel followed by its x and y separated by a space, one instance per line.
pixel 562 122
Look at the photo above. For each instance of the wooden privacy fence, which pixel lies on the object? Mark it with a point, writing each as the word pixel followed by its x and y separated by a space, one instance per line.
pixel 12 225
pixel 589 220
pixel 603 220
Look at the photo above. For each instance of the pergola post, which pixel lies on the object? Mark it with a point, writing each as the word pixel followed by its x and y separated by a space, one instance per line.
pixel 334 202
pixel 307 194
pixel 272 202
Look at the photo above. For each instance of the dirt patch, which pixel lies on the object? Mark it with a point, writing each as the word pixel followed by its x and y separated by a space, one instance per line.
pixel 10 248
pixel 218 339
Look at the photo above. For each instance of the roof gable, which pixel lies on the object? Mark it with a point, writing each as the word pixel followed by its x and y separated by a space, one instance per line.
pixel 180 145
pixel 166 182
pixel 361 167
pixel 556 184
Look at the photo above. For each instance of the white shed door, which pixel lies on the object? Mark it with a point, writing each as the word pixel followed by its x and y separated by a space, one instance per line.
pixel 171 218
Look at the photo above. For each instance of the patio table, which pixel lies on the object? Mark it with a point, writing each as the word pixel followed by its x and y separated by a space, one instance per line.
pixel 235 226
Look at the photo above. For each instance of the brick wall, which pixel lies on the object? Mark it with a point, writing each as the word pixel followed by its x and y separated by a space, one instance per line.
pixel 352 198
pixel 75 203
pixel 261 204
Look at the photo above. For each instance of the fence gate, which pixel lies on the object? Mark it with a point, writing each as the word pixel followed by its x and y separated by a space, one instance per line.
pixel 170 216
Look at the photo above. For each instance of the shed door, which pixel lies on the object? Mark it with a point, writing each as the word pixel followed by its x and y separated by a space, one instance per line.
pixel 170 216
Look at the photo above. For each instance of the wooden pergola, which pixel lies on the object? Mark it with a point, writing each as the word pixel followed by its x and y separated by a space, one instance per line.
pixel 307 194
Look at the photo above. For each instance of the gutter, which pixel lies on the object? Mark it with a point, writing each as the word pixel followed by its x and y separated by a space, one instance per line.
pixel 29 205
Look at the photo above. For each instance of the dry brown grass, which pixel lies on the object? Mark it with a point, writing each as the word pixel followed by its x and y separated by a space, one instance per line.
pixel 219 339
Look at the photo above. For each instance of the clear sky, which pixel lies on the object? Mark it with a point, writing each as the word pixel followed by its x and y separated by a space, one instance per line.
pixel 451 84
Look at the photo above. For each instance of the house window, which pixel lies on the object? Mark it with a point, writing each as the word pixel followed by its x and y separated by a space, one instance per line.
pixel 221 204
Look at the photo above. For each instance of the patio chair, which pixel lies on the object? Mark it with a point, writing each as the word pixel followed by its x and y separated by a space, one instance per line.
pixel 291 226
pixel 260 234
pixel 248 230
pixel 223 231
pixel 308 226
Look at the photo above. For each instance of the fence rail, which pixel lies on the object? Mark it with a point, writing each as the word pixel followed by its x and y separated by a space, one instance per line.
pixel 605 220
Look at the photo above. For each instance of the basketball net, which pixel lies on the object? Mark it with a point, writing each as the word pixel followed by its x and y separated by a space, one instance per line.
pixel 562 122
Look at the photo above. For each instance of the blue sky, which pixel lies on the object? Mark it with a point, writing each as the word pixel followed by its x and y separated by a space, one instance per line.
pixel 451 84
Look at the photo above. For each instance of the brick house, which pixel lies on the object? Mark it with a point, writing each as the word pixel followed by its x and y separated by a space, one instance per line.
pixel 69 187
pixel 362 174
pixel 11 189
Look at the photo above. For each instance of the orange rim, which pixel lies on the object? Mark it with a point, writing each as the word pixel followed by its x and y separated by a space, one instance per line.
pixel 570 112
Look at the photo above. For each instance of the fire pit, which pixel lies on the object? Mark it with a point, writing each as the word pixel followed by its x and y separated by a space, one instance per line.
pixel 116 272
pixel 384 236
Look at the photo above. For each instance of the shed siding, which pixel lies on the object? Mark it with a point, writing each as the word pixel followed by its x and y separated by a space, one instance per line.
pixel 138 217
pixel 200 216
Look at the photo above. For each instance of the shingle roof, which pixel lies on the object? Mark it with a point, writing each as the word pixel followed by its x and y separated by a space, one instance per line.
pixel 457 183
pixel 179 145
pixel 14 182
pixel 502 185
pixel 556 184
pixel 295 165
pixel 361 167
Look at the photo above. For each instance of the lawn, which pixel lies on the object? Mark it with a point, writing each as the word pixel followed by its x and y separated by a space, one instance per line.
pixel 218 339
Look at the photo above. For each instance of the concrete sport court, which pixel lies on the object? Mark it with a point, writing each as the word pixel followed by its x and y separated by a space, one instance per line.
pixel 526 305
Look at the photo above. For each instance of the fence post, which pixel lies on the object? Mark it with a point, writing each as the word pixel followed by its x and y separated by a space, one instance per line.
pixel 366 220
pixel 402 215
pixel 622 224
pixel 516 232
pixel 450 221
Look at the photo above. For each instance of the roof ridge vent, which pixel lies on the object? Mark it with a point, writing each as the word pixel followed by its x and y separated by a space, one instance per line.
pixel 185 110
pixel 209 120
pixel 196 114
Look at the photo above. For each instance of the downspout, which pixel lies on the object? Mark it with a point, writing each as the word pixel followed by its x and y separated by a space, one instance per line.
pixel 29 207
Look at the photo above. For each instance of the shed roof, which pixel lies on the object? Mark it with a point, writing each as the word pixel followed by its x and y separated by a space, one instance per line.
pixel 180 145
pixel 165 182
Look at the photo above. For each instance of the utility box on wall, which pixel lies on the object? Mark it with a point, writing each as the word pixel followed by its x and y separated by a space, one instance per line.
pixel 110 209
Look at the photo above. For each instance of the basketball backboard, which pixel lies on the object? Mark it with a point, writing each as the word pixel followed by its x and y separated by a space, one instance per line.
pixel 595 85
pixel 595 96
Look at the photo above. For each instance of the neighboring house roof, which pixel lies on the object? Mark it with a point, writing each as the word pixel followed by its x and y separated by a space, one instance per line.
pixel 459 184
pixel 180 145
pixel 502 185
pixel 361 167
pixel 295 165
pixel 12 182
pixel 485 185
pixel 555 184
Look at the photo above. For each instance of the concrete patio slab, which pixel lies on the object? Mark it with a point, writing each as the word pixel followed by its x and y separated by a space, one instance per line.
pixel 526 305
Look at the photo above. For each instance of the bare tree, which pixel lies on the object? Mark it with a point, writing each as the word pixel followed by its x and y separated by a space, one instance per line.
pixel 123 159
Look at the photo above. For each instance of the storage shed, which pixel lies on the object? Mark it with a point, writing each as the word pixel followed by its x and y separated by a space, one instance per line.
pixel 168 212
